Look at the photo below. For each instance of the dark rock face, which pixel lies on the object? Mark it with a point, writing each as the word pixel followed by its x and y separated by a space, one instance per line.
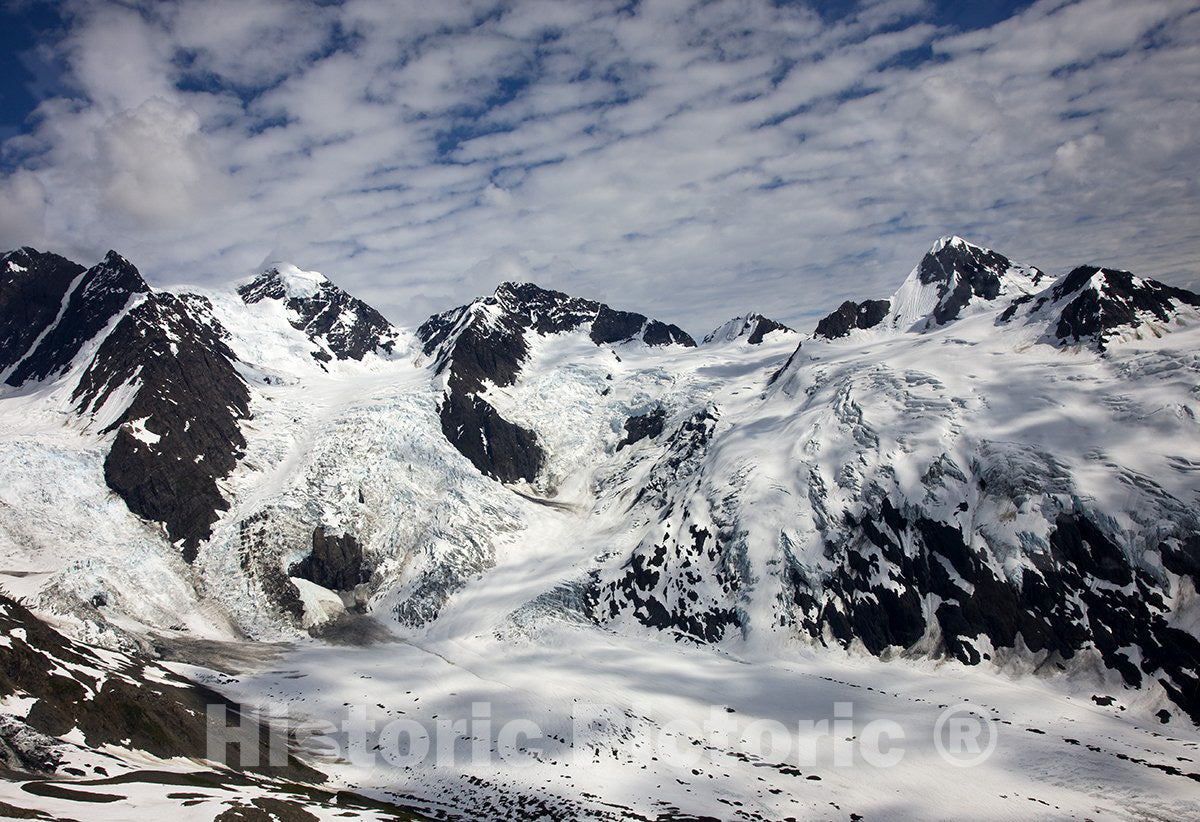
pixel 523 306
pixel 1082 593
pixel 180 433
pixel 477 355
pixel 643 426
pixel 658 586
pixel 851 315
pixel 335 562
pixel 611 326
pixel 345 326
pixel 33 287
pixel 485 342
pixel 493 350
pixel 1108 299
pixel 754 327
pixel 963 272
pixel 1092 305
pixel 660 333
pixel 781 370
pixel 498 448
pixel 102 292
pixel 1183 559
pixel 685 449
pixel 763 327
pixel 113 699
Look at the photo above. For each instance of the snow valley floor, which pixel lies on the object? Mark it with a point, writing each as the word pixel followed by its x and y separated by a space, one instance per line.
pixel 546 558
pixel 584 724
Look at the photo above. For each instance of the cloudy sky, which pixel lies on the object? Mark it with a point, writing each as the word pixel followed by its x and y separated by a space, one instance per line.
pixel 691 160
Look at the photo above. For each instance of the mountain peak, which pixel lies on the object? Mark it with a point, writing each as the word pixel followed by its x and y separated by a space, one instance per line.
pixel 754 327
pixel 280 280
pixel 524 290
pixel 1103 303
pixel 64 307
pixel 487 342
pixel 21 260
pixel 115 271
pixel 953 241
pixel 341 325
pixel 112 258
pixel 526 305
pixel 850 316
pixel 548 307
pixel 954 277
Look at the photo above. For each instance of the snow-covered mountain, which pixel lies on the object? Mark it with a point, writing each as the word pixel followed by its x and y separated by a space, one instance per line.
pixel 485 344
pixel 340 325
pixel 751 328
pixel 955 279
pixel 993 474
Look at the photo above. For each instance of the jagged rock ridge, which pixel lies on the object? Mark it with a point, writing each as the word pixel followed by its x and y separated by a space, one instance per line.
pixel 160 376
pixel 179 434
pixel 955 277
pixel 343 326
pixel 753 327
pixel 97 297
pixel 33 288
pixel 850 316
pixel 485 343
pixel 1094 305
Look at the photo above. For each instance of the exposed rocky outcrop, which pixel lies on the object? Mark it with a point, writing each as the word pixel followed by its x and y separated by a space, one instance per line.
pixel 961 272
pixel 98 297
pixel 485 340
pixel 685 579
pixel 897 576
pixel 33 290
pixel 485 343
pixel 850 316
pixel 1103 301
pixel 179 433
pixel 753 328
pixel 643 426
pixel 121 700
pixel 954 277
pixel 1093 306
pixel 342 326
pixel 336 562
pixel 612 326
pixel 498 448
pixel 763 327
pixel 681 583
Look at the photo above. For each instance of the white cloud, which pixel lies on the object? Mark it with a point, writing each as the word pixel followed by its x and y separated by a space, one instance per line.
pixel 248 44
pixel 690 160
pixel 154 162
pixel 22 210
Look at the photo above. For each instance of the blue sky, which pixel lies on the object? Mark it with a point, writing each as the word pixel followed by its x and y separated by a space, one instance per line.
pixel 692 160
